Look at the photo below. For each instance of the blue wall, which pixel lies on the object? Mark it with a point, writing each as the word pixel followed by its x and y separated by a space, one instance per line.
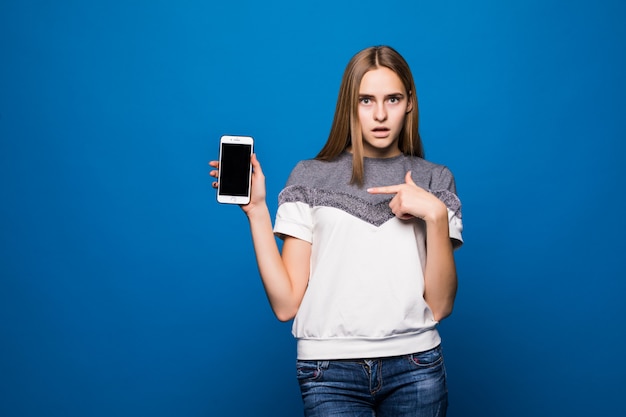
pixel 127 290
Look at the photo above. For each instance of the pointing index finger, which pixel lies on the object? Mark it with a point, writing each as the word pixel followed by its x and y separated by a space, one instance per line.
pixel 389 189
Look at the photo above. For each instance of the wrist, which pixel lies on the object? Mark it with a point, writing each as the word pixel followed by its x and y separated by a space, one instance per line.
pixel 438 215
pixel 258 211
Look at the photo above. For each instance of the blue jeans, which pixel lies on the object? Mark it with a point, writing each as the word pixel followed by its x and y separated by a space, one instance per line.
pixel 401 386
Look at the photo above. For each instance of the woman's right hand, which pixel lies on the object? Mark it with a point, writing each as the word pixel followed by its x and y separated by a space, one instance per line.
pixel 257 187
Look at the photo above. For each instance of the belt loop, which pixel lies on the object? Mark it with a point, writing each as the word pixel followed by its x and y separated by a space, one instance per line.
pixel 324 364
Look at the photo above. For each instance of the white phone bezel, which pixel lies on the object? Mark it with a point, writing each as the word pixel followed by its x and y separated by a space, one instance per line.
pixel 242 140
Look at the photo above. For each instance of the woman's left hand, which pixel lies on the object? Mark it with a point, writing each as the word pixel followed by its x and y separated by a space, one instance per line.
pixel 410 201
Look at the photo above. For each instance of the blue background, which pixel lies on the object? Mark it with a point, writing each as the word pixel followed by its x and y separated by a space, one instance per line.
pixel 127 290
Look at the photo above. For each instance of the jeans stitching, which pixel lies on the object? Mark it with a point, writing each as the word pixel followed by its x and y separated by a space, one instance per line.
pixel 414 359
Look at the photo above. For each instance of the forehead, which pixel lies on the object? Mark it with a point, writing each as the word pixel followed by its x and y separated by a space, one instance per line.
pixel 381 80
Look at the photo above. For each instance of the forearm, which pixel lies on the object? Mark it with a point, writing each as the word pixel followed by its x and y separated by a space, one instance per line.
pixel 282 295
pixel 411 201
pixel 440 279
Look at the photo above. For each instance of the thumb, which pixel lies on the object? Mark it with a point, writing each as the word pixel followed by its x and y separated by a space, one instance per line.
pixel 408 179
pixel 256 165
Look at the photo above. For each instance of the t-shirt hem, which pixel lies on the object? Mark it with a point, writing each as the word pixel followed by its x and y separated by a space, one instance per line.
pixel 355 348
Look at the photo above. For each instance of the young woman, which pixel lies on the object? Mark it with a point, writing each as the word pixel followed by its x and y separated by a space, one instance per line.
pixel 367 268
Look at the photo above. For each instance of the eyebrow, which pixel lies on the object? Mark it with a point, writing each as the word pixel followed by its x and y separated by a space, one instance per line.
pixel 386 96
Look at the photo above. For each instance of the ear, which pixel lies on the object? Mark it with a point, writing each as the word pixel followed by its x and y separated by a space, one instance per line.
pixel 409 106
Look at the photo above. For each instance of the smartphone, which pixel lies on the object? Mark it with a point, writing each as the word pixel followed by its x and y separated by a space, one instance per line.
pixel 235 171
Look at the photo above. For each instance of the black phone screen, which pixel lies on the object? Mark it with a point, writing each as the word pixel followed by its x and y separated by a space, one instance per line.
pixel 235 169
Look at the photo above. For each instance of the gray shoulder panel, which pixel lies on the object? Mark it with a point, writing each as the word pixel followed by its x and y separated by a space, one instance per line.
pixel 375 214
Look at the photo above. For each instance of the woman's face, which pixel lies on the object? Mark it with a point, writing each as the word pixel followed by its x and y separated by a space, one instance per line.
pixel 383 105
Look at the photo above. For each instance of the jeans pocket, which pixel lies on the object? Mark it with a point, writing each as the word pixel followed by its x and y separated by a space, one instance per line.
pixel 427 359
pixel 308 370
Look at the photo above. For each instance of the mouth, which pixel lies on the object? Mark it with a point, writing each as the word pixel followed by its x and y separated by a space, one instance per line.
pixel 380 131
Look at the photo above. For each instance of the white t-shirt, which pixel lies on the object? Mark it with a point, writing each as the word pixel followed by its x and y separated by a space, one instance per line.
pixel 365 293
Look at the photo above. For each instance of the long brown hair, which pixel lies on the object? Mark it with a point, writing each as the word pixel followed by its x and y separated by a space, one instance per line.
pixel 346 129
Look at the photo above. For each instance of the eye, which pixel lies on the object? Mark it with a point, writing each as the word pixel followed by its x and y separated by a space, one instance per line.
pixel 364 100
pixel 395 99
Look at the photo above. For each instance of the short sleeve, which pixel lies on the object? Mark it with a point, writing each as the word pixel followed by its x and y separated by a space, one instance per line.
pixel 455 224
pixel 294 219
pixel 444 187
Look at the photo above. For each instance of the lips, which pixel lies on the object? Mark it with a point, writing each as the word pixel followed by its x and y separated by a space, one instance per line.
pixel 380 131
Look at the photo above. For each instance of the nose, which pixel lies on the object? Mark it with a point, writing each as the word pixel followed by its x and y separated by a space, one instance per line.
pixel 380 113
